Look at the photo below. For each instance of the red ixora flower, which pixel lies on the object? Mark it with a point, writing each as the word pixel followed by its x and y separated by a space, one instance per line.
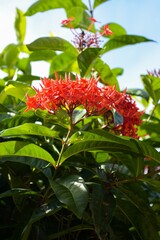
pixel 67 22
pixel 106 30
pixel 68 94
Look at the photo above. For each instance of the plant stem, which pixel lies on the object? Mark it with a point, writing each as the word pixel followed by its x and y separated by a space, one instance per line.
pixel 151 115
pixel 90 8
pixel 63 146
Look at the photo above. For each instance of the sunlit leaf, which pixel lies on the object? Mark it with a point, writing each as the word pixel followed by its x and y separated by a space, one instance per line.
pixel 102 140
pixel 72 191
pixel 20 25
pixel 64 61
pixel 30 129
pixel 81 17
pixel 52 43
pixel 124 40
pixel 117 71
pixel 17 90
pixel 138 92
pixel 105 73
pixel 86 60
pixel 45 55
pixel 45 5
pixel 98 2
pixel 152 86
pixel 10 55
pixel 17 148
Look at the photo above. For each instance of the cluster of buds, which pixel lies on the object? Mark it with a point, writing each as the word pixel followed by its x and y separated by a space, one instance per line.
pixel 155 73
pixel 87 39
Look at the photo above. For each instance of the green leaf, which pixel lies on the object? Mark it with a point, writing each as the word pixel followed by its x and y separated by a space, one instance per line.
pixel 65 61
pixel 152 86
pixel 155 184
pixel 138 92
pixel 105 73
pixel 10 55
pixel 52 43
pixel 117 71
pixel 72 191
pixel 20 25
pixel 24 65
pixel 42 166
pixel 30 129
pixel 123 40
pixel 17 148
pixel 18 191
pixel 47 209
pixel 102 140
pixel 117 29
pixel 78 115
pixel 98 2
pixel 77 228
pixel 17 90
pixel 45 55
pixel 102 207
pixel 139 214
pixel 118 118
pixel 45 5
pixel 81 18
pixel 86 60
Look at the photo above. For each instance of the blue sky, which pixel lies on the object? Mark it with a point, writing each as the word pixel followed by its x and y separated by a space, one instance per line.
pixel 139 17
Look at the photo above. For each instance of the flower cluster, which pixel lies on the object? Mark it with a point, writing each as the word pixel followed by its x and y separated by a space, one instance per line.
pixel 69 94
pixel 84 39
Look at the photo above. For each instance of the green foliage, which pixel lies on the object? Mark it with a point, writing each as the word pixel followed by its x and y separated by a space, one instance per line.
pixel 64 174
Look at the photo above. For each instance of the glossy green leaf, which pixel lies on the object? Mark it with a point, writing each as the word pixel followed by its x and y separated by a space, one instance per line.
pixel 30 129
pixel 81 18
pixel 45 5
pixel 17 90
pixel 102 207
pixel 86 60
pixel 100 139
pixel 20 25
pixel 105 73
pixel 138 92
pixel 78 115
pixel 52 43
pixel 123 40
pixel 98 2
pixel 33 162
pixel 117 29
pixel 118 118
pixel 72 191
pixel 65 61
pixel 18 191
pixel 47 209
pixel 152 86
pixel 45 55
pixel 24 65
pixel 10 55
pixel 117 71
pixel 17 148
